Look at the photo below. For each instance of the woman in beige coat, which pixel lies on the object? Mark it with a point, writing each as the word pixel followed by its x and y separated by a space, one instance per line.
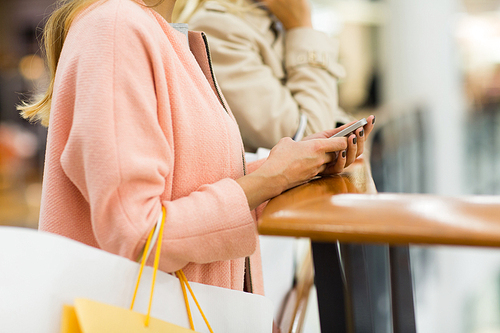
pixel 278 74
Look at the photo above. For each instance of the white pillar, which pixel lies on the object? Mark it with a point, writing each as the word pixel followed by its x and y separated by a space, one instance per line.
pixel 420 65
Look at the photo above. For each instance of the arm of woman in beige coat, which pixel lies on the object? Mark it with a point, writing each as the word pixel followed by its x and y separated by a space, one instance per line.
pixel 268 103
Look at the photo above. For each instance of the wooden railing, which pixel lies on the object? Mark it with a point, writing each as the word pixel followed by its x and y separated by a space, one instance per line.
pixel 347 208
pixel 344 208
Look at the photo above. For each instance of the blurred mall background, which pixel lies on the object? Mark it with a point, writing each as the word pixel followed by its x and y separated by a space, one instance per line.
pixel 428 69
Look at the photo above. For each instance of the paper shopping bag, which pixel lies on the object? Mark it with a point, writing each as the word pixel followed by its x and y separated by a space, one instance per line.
pixel 88 316
pixel 40 272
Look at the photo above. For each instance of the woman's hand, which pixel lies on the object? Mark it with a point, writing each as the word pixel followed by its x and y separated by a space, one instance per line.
pixel 291 13
pixel 356 140
pixel 292 163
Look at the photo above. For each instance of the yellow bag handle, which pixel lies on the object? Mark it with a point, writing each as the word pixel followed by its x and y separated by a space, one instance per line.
pixel 180 274
pixel 184 283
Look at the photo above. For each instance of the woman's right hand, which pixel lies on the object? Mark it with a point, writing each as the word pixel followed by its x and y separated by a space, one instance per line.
pixel 292 163
pixel 291 13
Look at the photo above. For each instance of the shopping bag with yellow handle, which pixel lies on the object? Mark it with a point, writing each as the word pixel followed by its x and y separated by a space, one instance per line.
pixel 88 316
pixel 40 272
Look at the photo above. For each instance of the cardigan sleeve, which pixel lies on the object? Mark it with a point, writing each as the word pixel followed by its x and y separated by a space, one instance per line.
pixel 120 159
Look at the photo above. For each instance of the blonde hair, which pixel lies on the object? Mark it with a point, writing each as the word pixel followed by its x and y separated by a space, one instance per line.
pixel 185 9
pixel 54 34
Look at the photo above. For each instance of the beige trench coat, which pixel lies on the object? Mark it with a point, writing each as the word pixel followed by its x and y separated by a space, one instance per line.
pixel 275 83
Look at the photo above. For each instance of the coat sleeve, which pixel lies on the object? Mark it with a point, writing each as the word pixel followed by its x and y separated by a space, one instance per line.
pixel 268 107
pixel 119 158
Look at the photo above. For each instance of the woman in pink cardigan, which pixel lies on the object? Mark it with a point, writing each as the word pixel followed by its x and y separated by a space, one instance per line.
pixel 136 123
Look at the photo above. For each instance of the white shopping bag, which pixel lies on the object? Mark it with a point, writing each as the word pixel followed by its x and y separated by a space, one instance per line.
pixel 40 272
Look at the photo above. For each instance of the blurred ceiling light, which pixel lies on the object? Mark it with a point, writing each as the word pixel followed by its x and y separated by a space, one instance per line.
pixel 479 37
pixel 31 67
pixel 330 16
pixel 475 29
pixel 327 21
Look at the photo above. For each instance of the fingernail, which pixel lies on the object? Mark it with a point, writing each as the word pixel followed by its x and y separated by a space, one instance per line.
pixel 361 133
pixel 354 140
pixel 343 154
pixel 373 121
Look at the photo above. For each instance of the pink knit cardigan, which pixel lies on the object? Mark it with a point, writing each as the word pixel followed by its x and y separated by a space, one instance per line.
pixel 136 123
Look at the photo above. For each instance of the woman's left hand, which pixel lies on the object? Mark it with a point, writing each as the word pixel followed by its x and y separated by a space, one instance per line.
pixel 356 141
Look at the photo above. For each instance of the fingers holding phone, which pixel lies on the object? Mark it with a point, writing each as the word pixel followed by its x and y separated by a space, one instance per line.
pixel 359 130
pixel 355 134
pixel 369 127
pixel 338 164
pixel 362 134
pixel 352 149
pixel 346 130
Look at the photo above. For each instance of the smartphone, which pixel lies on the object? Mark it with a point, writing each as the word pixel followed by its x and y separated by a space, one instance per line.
pixel 348 130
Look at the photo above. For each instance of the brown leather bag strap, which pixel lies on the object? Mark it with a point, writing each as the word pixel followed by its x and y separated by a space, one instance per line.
pixel 248 286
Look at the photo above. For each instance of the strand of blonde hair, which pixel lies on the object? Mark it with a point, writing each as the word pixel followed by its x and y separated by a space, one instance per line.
pixel 54 35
